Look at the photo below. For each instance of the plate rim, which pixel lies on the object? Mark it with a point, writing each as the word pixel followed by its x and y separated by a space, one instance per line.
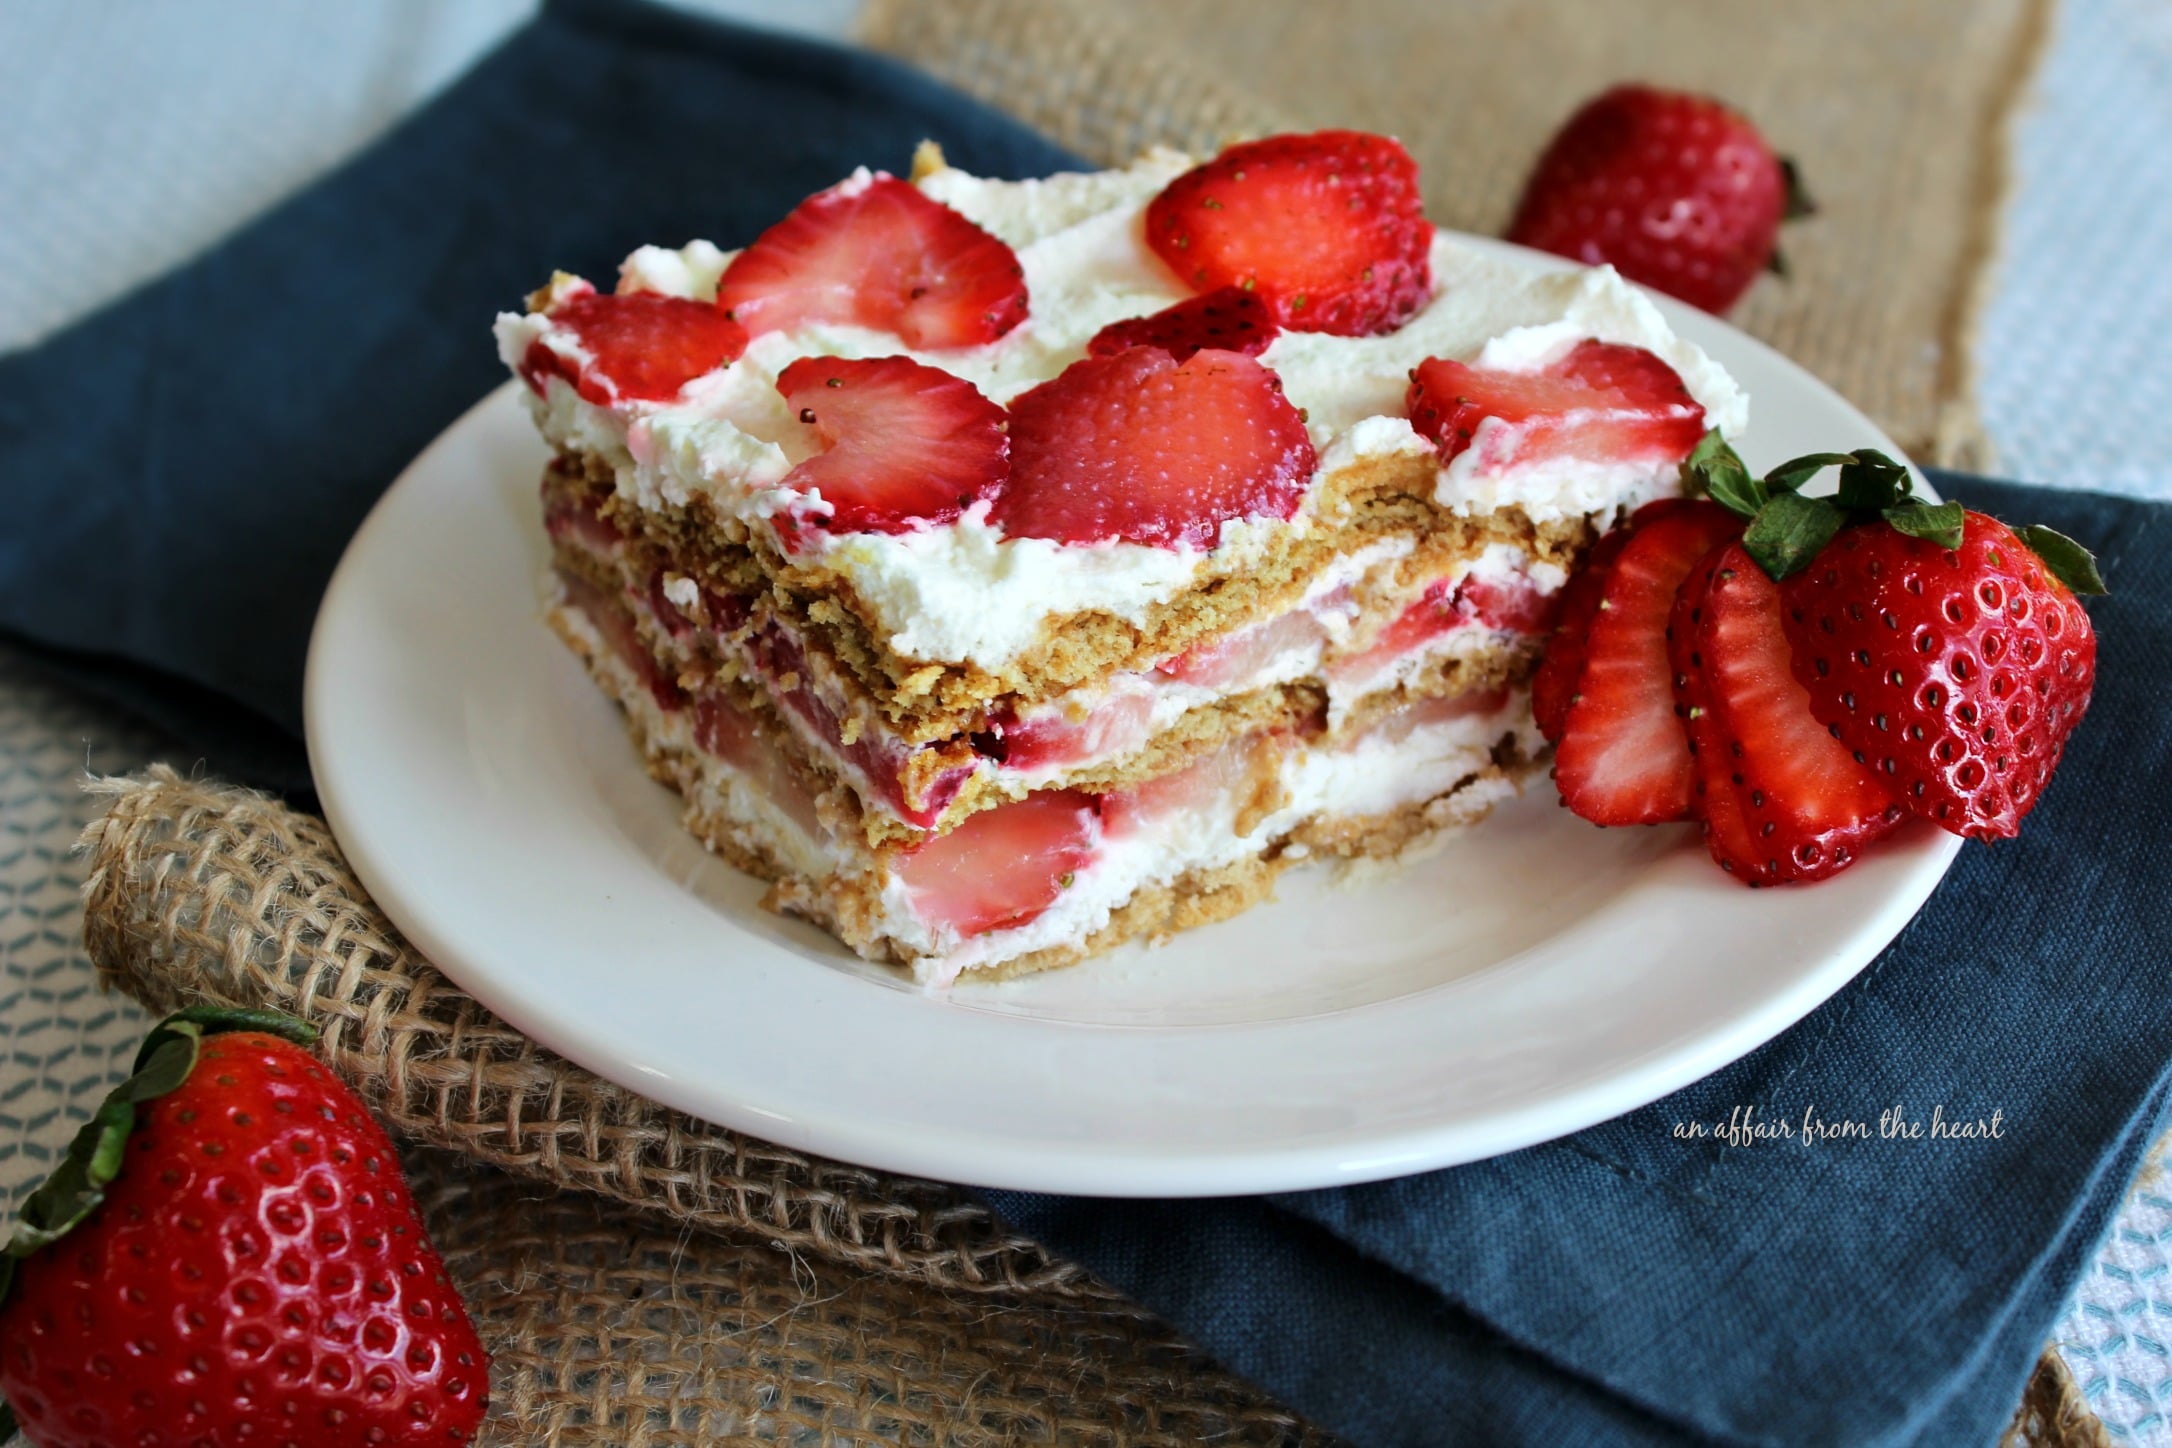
pixel 1128 1168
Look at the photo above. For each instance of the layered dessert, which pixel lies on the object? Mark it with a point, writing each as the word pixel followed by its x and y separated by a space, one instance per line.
pixel 1008 569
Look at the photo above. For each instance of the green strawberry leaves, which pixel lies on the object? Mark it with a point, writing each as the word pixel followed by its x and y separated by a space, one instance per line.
pixel 1940 524
pixel 93 1159
pixel 1787 529
pixel 2072 564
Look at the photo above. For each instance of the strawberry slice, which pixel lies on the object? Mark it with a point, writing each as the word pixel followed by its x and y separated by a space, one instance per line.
pixel 1792 803
pixel 904 446
pixel 1623 758
pixel 1002 867
pixel 877 252
pixel 642 347
pixel 1239 773
pixel 1553 687
pixel 1602 402
pixel 1717 798
pixel 1143 448
pixel 725 730
pixel 1328 228
pixel 1512 605
pixel 1235 657
pixel 1228 320
pixel 1050 740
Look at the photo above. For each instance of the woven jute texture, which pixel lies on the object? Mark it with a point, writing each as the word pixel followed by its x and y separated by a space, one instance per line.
pixel 1897 113
pixel 645 1278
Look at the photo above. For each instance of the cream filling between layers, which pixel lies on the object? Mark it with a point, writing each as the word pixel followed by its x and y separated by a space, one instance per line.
pixel 1143 703
pixel 1384 769
pixel 730 438
pixel 1372 775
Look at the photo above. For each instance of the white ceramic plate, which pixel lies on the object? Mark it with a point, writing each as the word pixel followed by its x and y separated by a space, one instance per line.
pixel 1536 976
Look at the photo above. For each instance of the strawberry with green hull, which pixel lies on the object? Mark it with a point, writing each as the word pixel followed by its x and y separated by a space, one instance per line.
pixel 1993 655
pixel 228 1256
pixel 1845 663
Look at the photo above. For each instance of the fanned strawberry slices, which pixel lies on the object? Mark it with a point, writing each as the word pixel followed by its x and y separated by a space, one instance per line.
pixel 1800 674
pixel 1327 228
pixel 906 446
pixel 877 252
pixel 1141 448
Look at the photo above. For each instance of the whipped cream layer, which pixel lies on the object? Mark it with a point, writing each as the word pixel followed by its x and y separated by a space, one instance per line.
pixel 965 593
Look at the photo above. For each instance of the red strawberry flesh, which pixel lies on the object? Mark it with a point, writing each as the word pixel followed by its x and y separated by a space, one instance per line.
pixel 1562 664
pixel 1235 657
pixel 1327 228
pixel 1141 448
pixel 1228 320
pixel 1623 758
pixel 1051 740
pixel 1001 868
pixel 643 346
pixel 904 446
pixel 1602 402
pixel 1806 804
pixel 877 252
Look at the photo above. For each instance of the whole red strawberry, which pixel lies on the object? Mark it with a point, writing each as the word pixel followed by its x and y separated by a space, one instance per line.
pixel 228 1256
pixel 1676 190
pixel 1955 667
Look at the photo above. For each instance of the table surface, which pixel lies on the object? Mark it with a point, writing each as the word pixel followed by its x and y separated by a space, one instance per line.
pixel 139 135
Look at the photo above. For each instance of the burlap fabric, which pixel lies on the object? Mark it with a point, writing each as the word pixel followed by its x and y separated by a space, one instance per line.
pixel 645 1278
pixel 1896 111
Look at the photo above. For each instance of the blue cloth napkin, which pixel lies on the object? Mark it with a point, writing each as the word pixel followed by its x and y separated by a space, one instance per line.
pixel 185 467
pixel 1625 1285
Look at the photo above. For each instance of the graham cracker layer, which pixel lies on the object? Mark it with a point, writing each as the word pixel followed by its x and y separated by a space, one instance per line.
pixel 849 904
pixel 926 701
pixel 699 665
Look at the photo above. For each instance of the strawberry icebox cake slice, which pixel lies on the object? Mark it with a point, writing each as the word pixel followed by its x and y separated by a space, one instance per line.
pixel 1005 570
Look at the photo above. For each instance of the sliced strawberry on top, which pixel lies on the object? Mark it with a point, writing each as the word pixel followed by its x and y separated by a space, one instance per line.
pixel 642 347
pixel 1142 448
pixel 877 252
pixel 1561 667
pixel 1228 320
pixel 1807 804
pixel 1623 758
pixel 1002 867
pixel 1603 401
pixel 1328 228
pixel 905 446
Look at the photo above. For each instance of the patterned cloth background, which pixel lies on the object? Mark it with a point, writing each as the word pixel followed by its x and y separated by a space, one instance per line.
pixel 139 135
